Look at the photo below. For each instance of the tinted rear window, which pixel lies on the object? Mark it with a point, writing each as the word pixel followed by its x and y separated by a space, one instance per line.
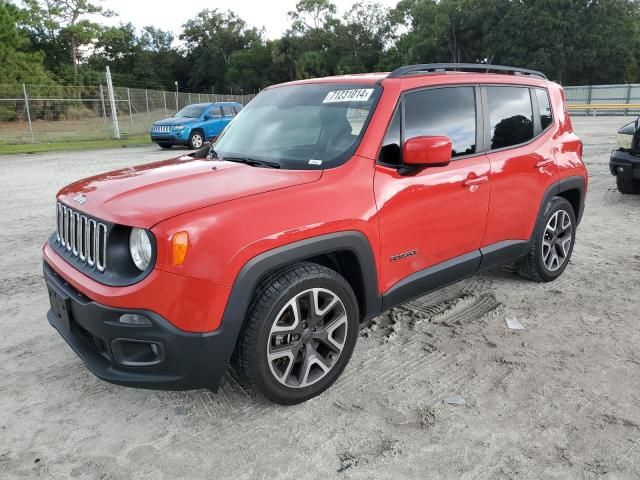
pixel 546 117
pixel 510 116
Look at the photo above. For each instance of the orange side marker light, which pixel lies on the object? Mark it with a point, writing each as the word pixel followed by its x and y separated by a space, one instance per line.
pixel 180 243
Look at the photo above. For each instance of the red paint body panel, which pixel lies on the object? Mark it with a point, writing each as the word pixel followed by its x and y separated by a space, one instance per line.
pixel 191 305
pixel 144 195
pixel 431 212
pixel 223 238
pixel 520 176
pixel 234 212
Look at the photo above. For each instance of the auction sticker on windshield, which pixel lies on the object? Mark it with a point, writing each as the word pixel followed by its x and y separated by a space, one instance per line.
pixel 355 95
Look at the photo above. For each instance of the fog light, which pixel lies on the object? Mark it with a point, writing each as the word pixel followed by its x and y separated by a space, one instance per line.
pixel 134 319
pixel 154 349
pixel 620 169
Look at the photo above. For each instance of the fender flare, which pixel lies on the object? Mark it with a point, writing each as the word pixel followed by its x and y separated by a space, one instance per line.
pixel 255 270
pixel 569 183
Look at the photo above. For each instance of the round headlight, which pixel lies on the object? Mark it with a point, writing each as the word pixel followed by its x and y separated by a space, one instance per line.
pixel 624 141
pixel 140 248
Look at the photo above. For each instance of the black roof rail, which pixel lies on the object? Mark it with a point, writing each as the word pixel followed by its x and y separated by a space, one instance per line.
pixel 462 67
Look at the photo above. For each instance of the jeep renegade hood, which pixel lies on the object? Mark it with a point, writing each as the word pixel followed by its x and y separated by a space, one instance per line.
pixel 145 195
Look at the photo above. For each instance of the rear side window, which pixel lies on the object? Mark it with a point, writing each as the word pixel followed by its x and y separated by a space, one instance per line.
pixel 227 111
pixel 237 108
pixel 546 116
pixel 510 116
pixel 443 111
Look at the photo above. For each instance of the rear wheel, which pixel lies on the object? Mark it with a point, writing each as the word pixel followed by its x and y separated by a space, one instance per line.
pixel 196 140
pixel 552 243
pixel 300 334
pixel 628 185
pixel 165 145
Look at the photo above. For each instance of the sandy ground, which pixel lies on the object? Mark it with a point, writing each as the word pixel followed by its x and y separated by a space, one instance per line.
pixel 560 399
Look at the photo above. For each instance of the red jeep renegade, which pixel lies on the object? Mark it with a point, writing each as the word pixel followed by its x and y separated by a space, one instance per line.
pixel 324 203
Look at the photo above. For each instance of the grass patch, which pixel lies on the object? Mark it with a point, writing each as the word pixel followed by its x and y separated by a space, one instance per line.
pixel 133 141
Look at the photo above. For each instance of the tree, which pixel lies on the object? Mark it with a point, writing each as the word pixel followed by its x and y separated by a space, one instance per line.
pixel 362 37
pixel 210 40
pixel 17 66
pixel 572 41
pixel 313 35
pixel 55 19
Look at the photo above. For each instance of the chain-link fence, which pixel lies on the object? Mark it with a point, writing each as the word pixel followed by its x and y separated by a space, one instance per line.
pixel 54 113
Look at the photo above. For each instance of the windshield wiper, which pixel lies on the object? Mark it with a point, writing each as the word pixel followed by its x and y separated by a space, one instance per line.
pixel 252 161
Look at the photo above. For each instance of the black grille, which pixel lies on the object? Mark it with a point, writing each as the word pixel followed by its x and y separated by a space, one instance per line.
pixel 82 237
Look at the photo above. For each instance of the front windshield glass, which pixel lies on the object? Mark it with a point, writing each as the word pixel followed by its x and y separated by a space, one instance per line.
pixel 301 126
pixel 190 111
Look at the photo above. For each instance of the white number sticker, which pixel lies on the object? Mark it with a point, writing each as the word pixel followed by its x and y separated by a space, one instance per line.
pixel 356 95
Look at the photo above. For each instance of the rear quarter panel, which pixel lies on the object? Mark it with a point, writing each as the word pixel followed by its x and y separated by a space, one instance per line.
pixel 567 145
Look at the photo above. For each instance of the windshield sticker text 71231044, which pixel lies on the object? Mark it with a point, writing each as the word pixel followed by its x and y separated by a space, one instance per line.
pixel 355 95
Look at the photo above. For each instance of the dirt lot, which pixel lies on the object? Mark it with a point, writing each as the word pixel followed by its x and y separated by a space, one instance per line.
pixel 560 399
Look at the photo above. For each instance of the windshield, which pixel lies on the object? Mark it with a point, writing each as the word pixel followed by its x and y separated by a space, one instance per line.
pixel 190 111
pixel 301 126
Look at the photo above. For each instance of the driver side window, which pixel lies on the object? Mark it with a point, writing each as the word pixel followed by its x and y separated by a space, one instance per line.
pixel 449 111
pixel 215 112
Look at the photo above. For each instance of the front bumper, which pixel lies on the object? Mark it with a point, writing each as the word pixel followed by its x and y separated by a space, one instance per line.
pixel 625 164
pixel 170 138
pixel 122 353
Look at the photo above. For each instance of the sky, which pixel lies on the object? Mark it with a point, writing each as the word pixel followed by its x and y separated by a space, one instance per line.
pixel 170 15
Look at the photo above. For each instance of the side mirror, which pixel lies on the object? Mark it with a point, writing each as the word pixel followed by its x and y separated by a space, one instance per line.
pixel 207 117
pixel 430 151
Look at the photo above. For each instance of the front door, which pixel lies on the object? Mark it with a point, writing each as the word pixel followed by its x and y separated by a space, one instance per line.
pixel 435 214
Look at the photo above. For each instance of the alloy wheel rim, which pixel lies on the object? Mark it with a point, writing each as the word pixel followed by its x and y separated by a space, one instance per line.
pixel 196 140
pixel 556 240
pixel 307 338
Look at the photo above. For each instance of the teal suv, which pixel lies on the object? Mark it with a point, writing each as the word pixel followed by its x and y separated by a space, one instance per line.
pixel 194 124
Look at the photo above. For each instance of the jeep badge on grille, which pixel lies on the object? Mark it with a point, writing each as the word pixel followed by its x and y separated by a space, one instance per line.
pixel 80 199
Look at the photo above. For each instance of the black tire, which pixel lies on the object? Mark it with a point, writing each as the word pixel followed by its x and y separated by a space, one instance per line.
pixel 270 300
pixel 165 145
pixel 196 140
pixel 533 266
pixel 628 185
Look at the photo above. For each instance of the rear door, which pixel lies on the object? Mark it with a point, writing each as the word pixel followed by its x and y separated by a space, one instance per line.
pixel 227 115
pixel 212 124
pixel 434 214
pixel 520 150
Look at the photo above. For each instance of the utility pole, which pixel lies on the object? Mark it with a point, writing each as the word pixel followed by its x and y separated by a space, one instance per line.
pixel 176 82
pixel 26 106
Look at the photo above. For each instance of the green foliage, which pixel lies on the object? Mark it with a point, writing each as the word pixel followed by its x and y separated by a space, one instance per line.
pixel 572 41
pixel 61 25
pixel 18 65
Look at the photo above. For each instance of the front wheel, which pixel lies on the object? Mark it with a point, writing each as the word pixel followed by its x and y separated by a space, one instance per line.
pixel 552 244
pixel 301 331
pixel 195 140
